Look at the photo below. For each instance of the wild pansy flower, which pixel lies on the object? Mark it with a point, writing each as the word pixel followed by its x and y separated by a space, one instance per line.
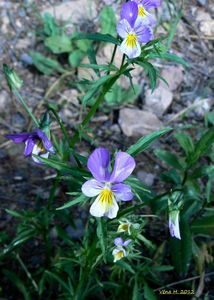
pixel 133 30
pixel 144 6
pixel 119 252
pixel 108 187
pixel 124 227
pixel 36 142
pixel 174 228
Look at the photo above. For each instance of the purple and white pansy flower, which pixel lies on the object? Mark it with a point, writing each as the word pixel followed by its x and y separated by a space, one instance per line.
pixel 119 252
pixel 36 143
pixel 144 6
pixel 106 186
pixel 133 30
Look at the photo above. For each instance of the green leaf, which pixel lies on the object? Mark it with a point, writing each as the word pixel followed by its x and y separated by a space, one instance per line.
pixel 60 281
pixel 108 21
pixel 46 65
pixel 163 268
pixel 59 44
pixel 136 295
pixel 18 283
pixel 102 235
pixel 14 213
pixel 181 250
pixel 202 146
pixel 63 167
pixel 151 71
pixel 185 142
pixel 75 58
pixel 168 56
pixel 99 37
pixel 148 292
pixel 50 25
pixel 169 158
pixel 118 96
pixel 72 202
pixel 143 143
pixel 124 265
pixel 94 88
pixel 204 225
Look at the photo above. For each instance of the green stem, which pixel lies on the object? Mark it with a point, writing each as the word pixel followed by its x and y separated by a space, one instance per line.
pixel 27 273
pixel 18 95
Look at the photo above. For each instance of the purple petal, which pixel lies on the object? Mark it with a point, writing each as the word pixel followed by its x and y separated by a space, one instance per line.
pixel 129 11
pixel 122 192
pixel 118 241
pixel 29 145
pixel 98 163
pixel 144 33
pixel 126 243
pixel 18 137
pixel 92 188
pixel 149 4
pixel 123 28
pixel 45 140
pixel 123 167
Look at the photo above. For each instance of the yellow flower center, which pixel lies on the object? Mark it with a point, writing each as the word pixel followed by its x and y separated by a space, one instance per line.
pixel 119 255
pixel 106 198
pixel 141 11
pixel 40 147
pixel 123 227
pixel 131 40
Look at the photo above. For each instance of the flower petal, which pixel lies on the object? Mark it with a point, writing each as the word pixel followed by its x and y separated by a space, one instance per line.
pixel 97 209
pixel 129 11
pixel 92 188
pixel 45 140
pixel 123 28
pixel 122 192
pixel 112 212
pixel 29 145
pixel 123 167
pixel 98 163
pixel 131 52
pixel 144 32
pixel 126 243
pixel 118 241
pixel 18 137
pixel 149 4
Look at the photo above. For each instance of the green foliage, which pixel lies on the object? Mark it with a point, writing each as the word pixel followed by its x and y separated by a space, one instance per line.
pixel 108 21
pixel 58 44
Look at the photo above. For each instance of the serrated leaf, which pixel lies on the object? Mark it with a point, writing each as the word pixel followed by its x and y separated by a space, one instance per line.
pixel 151 71
pixel 50 25
pixel 58 44
pixel 143 143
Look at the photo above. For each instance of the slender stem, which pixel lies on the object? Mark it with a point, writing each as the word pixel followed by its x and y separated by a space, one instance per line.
pixel 18 95
pixel 27 272
pixel 113 54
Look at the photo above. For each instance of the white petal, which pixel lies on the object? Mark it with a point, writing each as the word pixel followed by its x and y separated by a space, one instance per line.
pixel 131 52
pixel 123 28
pixel 116 252
pixel 97 209
pixel 92 188
pixel 112 212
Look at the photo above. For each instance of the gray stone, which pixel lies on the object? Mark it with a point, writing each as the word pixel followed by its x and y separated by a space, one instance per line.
pixel 147 178
pixel 5 101
pixel 158 101
pixel 136 122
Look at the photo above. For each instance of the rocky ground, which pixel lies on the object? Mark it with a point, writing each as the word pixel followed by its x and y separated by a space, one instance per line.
pixel 189 95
